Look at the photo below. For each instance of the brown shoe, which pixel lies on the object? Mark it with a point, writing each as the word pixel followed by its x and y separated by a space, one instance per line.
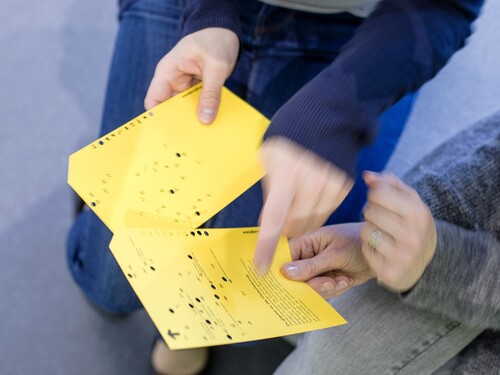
pixel 177 362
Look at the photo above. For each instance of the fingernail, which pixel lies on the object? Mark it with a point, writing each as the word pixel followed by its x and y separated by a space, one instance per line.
pixel 206 115
pixel 327 287
pixel 292 270
pixel 341 285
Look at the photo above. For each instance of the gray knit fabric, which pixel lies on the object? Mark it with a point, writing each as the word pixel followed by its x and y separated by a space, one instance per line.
pixel 460 182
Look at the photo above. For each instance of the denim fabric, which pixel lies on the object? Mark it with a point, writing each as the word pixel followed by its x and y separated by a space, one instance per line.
pixel 281 50
pixel 383 337
pixel 148 30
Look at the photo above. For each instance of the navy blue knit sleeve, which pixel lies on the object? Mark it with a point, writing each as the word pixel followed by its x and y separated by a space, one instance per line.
pixel 200 14
pixel 399 47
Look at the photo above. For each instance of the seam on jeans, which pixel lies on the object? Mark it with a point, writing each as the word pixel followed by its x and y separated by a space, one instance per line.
pixel 454 327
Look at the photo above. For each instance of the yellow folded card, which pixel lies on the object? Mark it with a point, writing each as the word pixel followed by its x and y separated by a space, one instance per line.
pixel 200 287
pixel 156 179
pixel 165 169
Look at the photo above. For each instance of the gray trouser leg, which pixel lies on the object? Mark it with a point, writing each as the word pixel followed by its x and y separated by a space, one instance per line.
pixel 383 336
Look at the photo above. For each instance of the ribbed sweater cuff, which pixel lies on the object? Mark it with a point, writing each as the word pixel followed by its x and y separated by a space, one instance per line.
pixel 330 128
pixel 201 14
pixel 340 151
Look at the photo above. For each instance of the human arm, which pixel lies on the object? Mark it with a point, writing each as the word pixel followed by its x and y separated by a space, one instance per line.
pixel 400 46
pixel 460 182
pixel 436 265
pixel 207 55
pixel 462 280
pixel 397 259
pixel 207 52
pixel 409 39
pixel 455 275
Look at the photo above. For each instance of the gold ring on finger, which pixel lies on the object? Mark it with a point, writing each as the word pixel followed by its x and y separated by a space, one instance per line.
pixel 374 239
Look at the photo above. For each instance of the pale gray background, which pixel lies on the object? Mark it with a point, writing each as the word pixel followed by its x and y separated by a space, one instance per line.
pixel 54 58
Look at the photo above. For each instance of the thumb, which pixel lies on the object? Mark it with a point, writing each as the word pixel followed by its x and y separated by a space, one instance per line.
pixel 305 269
pixel 208 104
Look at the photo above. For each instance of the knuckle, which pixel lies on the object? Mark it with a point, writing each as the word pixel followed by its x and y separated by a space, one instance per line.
pixel 390 277
pixel 310 268
pixel 372 194
pixel 162 64
pixel 210 96
pixel 370 213
pixel 404 260
pixel 412 242
pixel 365 232
pixel 367 211
pixel 220 66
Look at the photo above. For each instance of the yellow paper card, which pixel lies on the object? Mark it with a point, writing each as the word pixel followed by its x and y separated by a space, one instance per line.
pixel 165 169
pixel 200 287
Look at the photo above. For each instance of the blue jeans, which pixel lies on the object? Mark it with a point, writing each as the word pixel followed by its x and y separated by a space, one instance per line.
pixel 383 336
pixel 281 51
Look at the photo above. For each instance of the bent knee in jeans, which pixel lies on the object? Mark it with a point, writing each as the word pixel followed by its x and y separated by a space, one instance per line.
pixel 94 268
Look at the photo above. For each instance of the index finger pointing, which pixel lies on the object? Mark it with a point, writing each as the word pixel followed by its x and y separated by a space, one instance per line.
pixel 273 218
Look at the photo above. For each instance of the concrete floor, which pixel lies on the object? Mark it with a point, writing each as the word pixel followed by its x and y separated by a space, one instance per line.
pixel 53 67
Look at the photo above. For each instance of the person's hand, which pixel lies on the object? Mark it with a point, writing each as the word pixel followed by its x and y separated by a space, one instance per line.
pixel 329 260
pixel 208 55
pixel 395 244
pixel 301 191
pixel 399 235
